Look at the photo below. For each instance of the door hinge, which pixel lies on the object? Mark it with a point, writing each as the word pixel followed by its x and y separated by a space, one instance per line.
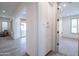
pixel 57 19
pixel 57 8
pixel 57 31
pixel 57 44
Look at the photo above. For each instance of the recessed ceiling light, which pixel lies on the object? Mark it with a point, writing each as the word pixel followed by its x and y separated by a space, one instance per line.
pixel 3 11
pixel 64 5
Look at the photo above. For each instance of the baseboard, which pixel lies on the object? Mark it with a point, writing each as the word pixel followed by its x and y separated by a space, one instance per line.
pixel 48 52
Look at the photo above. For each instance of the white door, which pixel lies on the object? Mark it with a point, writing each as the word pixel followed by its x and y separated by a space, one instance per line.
pixel 44 28
pixel 68 29
pixel 68 42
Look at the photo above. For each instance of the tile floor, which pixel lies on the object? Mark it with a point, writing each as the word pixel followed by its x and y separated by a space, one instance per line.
pixel 68 46
pixel 11 47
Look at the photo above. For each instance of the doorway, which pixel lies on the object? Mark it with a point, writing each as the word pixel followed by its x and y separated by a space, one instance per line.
pixel 23 35
pixel 23 29
pixel 68 29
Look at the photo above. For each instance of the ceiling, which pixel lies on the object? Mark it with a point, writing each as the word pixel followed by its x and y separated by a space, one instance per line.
pixel 9 7
pixel 69 9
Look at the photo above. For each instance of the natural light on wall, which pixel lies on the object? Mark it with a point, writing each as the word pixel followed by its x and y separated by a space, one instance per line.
pixel 74 25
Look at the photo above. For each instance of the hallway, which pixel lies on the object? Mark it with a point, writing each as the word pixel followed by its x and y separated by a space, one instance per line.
pixel 35 28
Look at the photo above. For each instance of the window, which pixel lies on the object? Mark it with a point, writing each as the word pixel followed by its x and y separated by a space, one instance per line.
pixel 74 26
pixel 4 26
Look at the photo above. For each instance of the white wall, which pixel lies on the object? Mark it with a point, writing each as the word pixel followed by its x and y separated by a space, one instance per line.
pixel 32 12
pixel 16 28
pixel 54 27
pixel 31 16
pixel 46 28
pixel 41 23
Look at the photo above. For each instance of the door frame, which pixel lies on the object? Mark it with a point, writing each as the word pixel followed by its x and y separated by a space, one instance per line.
pixel 25 21
pixel 57 40
pixel 57 32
